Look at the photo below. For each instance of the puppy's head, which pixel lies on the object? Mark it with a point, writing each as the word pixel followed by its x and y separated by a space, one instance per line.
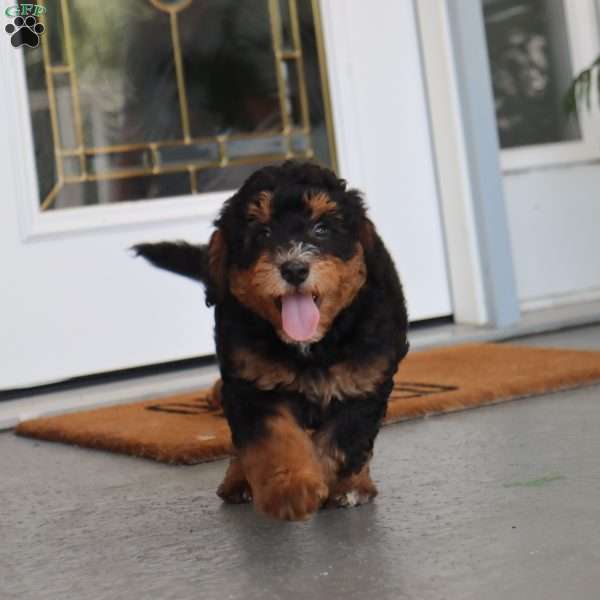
pixel 290 246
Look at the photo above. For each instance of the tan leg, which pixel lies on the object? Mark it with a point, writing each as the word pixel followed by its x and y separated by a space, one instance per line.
pixel 284 473
pixel 352 491
pixel 346 491
pixel 214 398
pixel 235 488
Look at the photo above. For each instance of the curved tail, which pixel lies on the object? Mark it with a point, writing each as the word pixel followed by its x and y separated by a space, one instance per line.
pixel 182 258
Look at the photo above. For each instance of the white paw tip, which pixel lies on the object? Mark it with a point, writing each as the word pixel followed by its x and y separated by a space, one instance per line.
pixel 351 498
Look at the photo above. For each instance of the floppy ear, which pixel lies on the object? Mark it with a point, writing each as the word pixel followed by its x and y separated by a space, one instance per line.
pixel 217 263
pixel 377 259
pixel 367 235
pixel 382 272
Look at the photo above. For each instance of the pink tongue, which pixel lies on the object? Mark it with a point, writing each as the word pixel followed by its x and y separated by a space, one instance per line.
pixel 300 316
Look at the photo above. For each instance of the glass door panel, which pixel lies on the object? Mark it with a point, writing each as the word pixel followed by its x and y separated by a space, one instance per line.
pixel 154 98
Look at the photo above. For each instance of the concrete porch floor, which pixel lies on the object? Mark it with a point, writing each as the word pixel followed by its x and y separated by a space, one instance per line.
pixel 498 502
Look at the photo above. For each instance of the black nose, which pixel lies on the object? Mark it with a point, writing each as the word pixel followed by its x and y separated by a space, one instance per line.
pixel 294 271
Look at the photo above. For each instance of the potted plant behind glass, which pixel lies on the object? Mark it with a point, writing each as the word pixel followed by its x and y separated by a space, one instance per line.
pixel 581 89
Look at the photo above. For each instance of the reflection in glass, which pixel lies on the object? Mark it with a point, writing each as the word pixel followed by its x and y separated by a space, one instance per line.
pixel 154 98
pixel 528 49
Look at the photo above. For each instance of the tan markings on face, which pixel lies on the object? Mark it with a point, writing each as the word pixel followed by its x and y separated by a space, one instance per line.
pixel 258 288
pixel 336 283
pixel 320 204
pixel 259 208
pixel 343 380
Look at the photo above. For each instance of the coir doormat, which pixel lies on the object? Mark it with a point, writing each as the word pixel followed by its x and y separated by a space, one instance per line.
pixel 190 428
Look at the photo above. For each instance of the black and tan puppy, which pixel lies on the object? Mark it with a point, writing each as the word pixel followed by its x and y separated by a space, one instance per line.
pixel 310 327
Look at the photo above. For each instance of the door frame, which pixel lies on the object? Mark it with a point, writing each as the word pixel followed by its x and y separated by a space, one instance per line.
pixel 470 165
pixel 465 138
pixel 354 120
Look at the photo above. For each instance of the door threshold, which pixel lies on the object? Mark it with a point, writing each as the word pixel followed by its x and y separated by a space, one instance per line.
pixel 531 323
pixel 187 379
pixel 98 394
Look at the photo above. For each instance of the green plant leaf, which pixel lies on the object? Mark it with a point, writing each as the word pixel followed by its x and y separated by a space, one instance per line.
pixel 580 90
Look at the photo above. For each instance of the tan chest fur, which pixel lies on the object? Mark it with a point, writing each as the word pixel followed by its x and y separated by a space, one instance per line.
pixel 343 380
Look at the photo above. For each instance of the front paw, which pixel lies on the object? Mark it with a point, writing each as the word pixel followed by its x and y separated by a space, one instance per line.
pixel 352 491
pixel 291 496
pixel 350 498
pixel 236 493
pixel 235 488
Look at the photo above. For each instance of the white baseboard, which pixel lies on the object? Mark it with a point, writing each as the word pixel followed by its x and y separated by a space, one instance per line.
pixel 13 412
pixel 558 300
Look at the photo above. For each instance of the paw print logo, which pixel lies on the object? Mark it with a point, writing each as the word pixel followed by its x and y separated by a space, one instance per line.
pixel 25 32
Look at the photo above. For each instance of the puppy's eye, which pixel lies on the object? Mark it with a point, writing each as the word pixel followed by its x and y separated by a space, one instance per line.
pixel 264 233
pixel 320 230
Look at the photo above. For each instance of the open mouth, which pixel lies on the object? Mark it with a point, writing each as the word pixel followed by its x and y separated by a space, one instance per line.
pixel 299 315
pixel 316 299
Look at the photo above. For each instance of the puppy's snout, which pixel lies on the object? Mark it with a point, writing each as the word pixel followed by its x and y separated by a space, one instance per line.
pixel 294 271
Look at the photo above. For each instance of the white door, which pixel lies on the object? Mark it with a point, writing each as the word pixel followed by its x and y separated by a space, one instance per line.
pixel 134 121
pixel 549 159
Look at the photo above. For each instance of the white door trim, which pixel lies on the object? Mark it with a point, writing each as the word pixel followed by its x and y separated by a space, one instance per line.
pixel 383 138
pixel 468 163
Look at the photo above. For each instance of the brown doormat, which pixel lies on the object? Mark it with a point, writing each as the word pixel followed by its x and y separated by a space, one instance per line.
pixel 187 429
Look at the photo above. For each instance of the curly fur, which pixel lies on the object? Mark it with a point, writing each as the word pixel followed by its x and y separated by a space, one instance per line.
pixel 335 385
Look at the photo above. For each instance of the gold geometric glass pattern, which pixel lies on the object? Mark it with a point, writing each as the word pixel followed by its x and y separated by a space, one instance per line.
pixel 158 98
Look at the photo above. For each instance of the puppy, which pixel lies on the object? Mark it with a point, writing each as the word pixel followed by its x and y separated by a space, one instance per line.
pixel 310 326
